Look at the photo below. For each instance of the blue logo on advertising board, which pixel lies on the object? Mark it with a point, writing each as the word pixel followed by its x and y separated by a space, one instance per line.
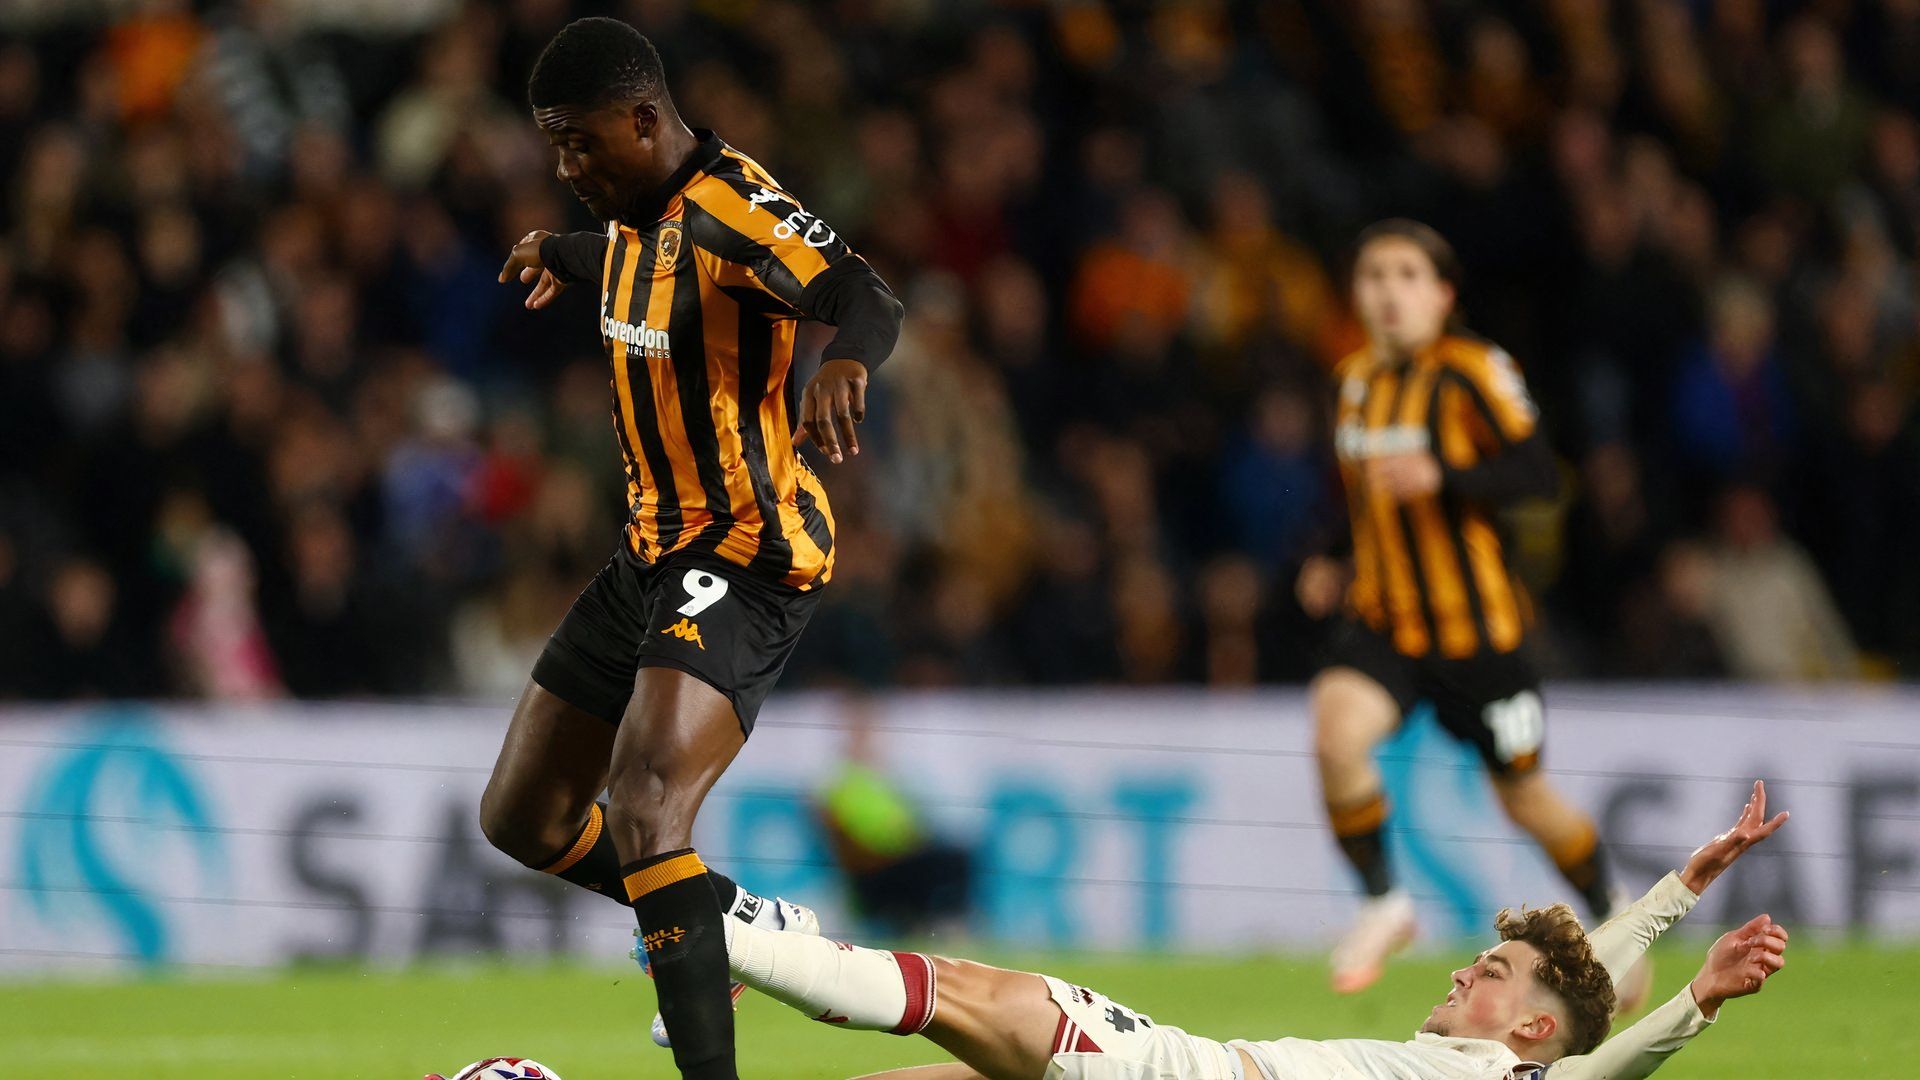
pixel 107 829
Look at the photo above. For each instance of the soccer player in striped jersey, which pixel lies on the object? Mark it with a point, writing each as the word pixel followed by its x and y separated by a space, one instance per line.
pixel 1434 431
pixel 650 685
pixel 1536 1006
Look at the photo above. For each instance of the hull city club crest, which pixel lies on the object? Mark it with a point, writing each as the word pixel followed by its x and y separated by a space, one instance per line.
pixel 669 245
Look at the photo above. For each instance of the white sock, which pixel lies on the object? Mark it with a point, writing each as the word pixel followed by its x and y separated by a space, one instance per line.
pixel 833 982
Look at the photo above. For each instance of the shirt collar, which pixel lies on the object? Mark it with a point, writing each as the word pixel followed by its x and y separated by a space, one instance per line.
pixel 707 149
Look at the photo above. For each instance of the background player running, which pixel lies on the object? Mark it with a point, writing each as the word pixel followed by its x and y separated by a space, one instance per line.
pixel 1433 431
pixel 1543 996
pixel 651 683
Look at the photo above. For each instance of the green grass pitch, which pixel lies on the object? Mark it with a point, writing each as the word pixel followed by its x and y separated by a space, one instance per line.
pixel 1836 1010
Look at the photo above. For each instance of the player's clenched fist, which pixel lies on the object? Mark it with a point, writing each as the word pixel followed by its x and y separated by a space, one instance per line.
pixel 524 263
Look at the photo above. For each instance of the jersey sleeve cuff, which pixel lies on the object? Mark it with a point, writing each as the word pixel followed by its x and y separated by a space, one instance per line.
pixel 1670 896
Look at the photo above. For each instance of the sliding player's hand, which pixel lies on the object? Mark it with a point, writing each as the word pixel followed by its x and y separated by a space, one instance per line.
pixel 1406 475
pixel 1717 854
pixel 1740 964
pixel 524 263
pixel 831 405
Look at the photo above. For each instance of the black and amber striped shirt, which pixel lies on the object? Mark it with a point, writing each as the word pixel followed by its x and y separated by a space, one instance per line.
pixel 699 306
pixel 1429 572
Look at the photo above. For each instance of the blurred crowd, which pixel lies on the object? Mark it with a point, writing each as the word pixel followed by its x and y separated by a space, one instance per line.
pixel 269 426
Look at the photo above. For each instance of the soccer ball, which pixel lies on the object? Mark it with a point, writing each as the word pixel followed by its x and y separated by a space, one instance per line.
pixel 506 1068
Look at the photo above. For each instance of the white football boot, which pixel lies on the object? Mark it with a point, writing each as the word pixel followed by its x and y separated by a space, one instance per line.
pixel 793 918
pixel 1385 926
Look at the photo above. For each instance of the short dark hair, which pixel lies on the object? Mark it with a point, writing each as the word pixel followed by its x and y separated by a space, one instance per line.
pixel 1423 236
pixel 594 62
pixel 1567 967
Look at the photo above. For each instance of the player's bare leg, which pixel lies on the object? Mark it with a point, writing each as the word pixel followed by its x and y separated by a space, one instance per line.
pixel 1352 715
pixel 1569 837
pixel 1000 1024
pixel 678 736
pixel 1562 829
pixel 539 802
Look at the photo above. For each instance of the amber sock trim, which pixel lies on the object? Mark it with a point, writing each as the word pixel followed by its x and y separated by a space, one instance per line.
pixel 581 844
pixel 1359 818
pixel 662 871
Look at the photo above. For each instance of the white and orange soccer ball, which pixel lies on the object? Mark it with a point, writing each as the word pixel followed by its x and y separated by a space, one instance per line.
pixel 502 1068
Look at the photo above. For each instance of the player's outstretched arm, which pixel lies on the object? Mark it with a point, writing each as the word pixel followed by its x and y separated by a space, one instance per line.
pixel 1738 964
pixel 1622 940
pixel 551 262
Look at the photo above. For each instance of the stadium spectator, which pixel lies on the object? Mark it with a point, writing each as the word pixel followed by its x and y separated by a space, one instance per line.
pixel 902 876
pixel 1768 608
pixel 246 265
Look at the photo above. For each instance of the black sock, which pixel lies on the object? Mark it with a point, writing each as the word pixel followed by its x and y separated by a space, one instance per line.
pixel 683 932
pixel 1584 865
pixel 591 863
pixel 1361 829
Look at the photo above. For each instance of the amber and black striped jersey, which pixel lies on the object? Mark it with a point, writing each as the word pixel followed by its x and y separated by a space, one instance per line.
pixel 699 306
pixel 1429 573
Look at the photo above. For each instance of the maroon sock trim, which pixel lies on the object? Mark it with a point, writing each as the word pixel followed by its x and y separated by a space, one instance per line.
pixel 923 989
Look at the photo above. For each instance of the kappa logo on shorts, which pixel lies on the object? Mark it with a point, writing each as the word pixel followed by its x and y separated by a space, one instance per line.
pixel 686 630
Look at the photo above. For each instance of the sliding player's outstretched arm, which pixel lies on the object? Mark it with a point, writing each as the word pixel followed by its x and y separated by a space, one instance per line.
pixel 1622 940
pixel 1739 964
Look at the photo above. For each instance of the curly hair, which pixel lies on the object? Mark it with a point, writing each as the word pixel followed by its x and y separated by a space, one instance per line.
pixel 1567 967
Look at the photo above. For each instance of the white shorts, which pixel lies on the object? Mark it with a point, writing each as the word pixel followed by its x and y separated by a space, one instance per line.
pixel 1098 1039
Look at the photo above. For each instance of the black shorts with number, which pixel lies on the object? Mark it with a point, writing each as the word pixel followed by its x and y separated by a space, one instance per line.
pixel 700 614
pixel 1491 700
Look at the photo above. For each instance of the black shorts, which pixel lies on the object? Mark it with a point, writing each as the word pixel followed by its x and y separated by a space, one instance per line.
pixel 700 614
pixel 1490 700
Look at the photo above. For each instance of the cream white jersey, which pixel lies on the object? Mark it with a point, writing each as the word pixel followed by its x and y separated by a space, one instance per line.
pixel 1102 1041
pixel 1424 1057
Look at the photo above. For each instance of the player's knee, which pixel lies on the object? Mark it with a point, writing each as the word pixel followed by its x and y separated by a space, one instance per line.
pixel 1348 719
pixel 647 808
pixel 524 832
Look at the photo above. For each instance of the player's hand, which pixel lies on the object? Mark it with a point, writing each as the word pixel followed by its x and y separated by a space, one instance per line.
pixel 1713 857
pixel 523 262
pixel 1322 582
pixel 1406 475
pixel 831 405
pixel 1740 964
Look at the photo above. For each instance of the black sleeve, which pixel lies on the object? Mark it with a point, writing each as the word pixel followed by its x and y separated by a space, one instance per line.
pixel 1525 470
pixel 576 256
pixel 850 296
